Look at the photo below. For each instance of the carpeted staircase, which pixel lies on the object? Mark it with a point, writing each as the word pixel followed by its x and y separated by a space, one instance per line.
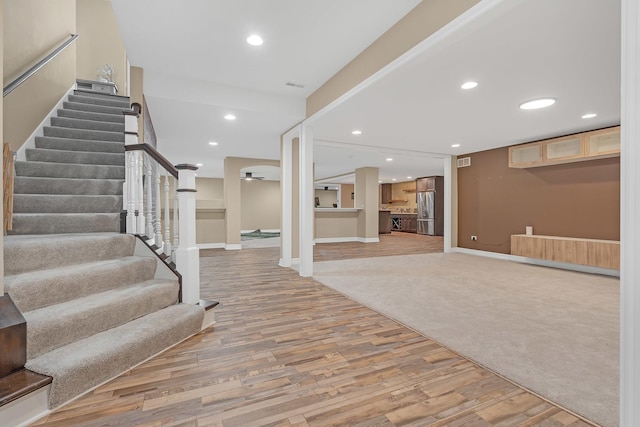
pixel 93 308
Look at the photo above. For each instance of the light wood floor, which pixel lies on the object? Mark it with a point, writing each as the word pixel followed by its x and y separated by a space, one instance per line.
pixel 289 351
pixel 396 243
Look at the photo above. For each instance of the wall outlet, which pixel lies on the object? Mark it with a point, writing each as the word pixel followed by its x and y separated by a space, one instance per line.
pixel 474 238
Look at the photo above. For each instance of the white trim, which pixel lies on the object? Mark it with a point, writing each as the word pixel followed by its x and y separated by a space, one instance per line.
pixel 368 239
pixel 540 262
pixel 286 189
pixel 271 230
pixel 629 211
pixel 449 220
pixel 433 41
pixel 39 131
pixel 306 205
pixel 337 209
pixel 294 261
pixel 335 239
pixel 27 409
pixel 211 245
pixel 232 246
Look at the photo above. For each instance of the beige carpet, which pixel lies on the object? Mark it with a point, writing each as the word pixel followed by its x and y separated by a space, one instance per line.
pixel 555 332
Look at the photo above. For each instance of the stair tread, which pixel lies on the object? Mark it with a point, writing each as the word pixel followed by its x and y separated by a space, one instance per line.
pixel 112 146
pixel 118 103
pixel 80 106
pixel 25 288
pixel 21 383
pixel 91 116
pixel 91 361
pixel 92 135
pixel 25 253
pixel 76 123
pixel 92 93
pixel 60 324
pixel 50 155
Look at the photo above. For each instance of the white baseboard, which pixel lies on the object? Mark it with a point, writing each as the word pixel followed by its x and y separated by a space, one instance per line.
pixel 233 247
pixel 369 239
pixel 294 261
pixel 210 245
pixel 27 409
pixel 540 262
pixel 335 239
pixel 31 141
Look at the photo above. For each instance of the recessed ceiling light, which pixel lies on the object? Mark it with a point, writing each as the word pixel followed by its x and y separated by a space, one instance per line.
pixel 534 104
pixel 380 181
pixel 469 85
pixel 199 165
pixel 357 132
pixel 393 179
pixel 455 145
pixel 254 40
pixel 408 177
pixel 213 143
pixel 589 116
pixel 230 117
pixel 389 159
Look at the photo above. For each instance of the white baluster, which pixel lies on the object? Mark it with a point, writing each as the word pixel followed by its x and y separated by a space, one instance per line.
pixel 139 193
pixel 148 183
pixel 158 221
pixel 167 219
pixel 129 195
pixel 176 216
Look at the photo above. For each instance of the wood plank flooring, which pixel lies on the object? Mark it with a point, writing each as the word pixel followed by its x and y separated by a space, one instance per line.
pixel 287 351
pixel 396 243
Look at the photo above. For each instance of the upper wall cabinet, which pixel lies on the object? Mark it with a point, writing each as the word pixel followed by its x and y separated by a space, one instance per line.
pixel 574 148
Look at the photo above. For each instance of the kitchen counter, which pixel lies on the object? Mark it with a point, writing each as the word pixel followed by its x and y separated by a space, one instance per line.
pixel 407 222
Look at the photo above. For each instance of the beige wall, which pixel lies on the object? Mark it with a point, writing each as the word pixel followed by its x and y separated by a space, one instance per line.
pixel 233 194
pixel 345 195
pixel 327 198
pixel 99 42
pixel 260 205
pixel 137 95
pixel 31 29
pixel 425 19
pixel 336 224
pixel 367 202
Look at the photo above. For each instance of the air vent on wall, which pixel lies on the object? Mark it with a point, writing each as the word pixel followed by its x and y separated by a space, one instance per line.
pixel 298 85
pixel 464 162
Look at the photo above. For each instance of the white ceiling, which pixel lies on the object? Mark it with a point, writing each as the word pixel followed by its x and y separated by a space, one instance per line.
pixel 516 49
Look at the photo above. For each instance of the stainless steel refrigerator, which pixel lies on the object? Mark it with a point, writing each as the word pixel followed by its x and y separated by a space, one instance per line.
pixel 426 212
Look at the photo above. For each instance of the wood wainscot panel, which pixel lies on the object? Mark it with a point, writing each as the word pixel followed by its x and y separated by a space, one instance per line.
pixel 591 252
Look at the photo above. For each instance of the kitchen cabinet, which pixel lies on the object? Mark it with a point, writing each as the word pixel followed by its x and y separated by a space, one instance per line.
pixel 526 155
pixel 384 222
pixel 386 194
pixel 404 222
pixel 603 143
pixel 426 184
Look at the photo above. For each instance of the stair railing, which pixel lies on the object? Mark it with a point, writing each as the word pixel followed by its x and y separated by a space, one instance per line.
pixel 8 161
pixel 143 194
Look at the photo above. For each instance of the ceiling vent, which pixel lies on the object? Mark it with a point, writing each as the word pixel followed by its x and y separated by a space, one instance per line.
pixel 299 86
pixel 464 162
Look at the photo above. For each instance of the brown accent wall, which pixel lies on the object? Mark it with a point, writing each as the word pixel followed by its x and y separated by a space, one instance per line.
pixel 345 195
pixel 573 200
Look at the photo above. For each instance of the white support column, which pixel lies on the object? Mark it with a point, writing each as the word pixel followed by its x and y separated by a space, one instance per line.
pixel 306 201
pixel 286 166
pixel 139 197
pixel 129 186
pixel 188 254
pixel 148 186
pixel 176 219
pixel 450 204
pixel 629 214
pixel 167 217
pixel 158 208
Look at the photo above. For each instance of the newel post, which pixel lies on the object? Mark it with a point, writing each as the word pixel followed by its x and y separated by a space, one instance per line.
pixel 188 254
pixel 129 189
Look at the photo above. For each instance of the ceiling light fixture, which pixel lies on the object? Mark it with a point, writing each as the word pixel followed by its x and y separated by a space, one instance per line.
pixel 455 145
pixel 230 117
pixel 379 181
pixel 469 85
pixel 393 179
pixel 389 159
pixel 255 40
pixel 199 165
pixel 589 116
pixel 357 132
pixel 213 143
pixel 535 104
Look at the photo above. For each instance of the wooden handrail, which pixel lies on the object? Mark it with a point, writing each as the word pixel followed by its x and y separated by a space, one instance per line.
pixel 7 181
pixel 155 156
